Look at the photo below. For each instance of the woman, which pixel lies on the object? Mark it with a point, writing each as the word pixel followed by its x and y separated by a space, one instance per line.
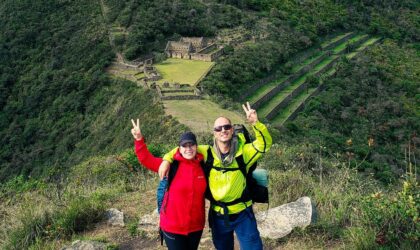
pixel 182 214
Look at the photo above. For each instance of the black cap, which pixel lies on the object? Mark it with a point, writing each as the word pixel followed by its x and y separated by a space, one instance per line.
pixel 187 137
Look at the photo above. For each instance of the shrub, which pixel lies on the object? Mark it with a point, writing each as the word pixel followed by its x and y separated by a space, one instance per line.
pixel 33 225
pixel 38 224
pixel 395 216
pixel 20 184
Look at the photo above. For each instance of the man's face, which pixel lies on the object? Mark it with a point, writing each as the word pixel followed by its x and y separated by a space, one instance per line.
pixel 223 130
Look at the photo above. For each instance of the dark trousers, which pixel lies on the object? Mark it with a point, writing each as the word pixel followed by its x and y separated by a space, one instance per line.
pixel 182 242
pixel 245 227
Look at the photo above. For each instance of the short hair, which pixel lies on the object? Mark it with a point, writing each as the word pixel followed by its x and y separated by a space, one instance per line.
pixel 230 122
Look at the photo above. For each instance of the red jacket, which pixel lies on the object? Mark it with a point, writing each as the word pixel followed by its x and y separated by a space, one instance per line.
pixel 183 205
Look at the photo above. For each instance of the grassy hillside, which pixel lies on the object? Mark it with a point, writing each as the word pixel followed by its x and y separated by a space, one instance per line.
pixel 199 115
pixel 57 105
pixel 369 113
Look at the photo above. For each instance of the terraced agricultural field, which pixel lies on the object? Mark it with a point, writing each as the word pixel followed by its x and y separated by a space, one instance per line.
pixel 272 103
pixel 293 105
pixel 271 98
pixel 265 89
pixel 182 71
pixel 363 46
pixel 323 64
pixel 330 42
pixel 307 62
pixel 339 49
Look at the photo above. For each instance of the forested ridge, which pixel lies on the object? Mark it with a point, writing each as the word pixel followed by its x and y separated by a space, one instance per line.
pixel 57 105
pixel 66 150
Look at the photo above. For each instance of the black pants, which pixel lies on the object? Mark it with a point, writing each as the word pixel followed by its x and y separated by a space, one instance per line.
pixel 182 242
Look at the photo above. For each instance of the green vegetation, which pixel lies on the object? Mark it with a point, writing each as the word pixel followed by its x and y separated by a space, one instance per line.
pixel 363 46
pixel 199 115
pixel 266 108
pixel 264 90
pixel 350 42
pixel 306 62
pixel 67 205
pixel 354 211
pixel 335 39
pixel 363 102
pixel 182 71
pixel 293 105
pixel 152 23
pixel 66 151
pixel 57 105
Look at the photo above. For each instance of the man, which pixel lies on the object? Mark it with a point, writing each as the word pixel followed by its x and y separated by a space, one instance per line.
pixel 231 207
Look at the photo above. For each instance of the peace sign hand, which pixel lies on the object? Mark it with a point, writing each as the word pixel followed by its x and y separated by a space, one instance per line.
pixel 251 114
pixel 135 131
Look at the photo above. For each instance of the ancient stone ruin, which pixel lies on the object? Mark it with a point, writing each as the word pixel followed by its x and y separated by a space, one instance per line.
pixel 193 48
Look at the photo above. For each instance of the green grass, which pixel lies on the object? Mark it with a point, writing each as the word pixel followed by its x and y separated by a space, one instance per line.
pixel 344 45
pixel 182 71
pixel 330 72
pixel 326 43
pixel 265 89
pixel 322 64
pixel 273 102
pixel 293 105
pixel 281 117
pixel 367 43
pixel 199 115
pixel 265 109
pixel 307 62
pixel 269 86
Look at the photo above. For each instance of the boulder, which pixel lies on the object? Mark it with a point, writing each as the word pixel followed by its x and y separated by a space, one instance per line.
pixel 278 222
pixel 115 217
pixel 86 245
pixel 149 222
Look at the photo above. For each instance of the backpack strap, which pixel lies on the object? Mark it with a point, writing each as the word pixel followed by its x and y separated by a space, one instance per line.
pixel 172 172
pixel 171 175
pixel 224 205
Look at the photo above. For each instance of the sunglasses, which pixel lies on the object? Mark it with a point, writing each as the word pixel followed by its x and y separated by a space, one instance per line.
pixel 219 128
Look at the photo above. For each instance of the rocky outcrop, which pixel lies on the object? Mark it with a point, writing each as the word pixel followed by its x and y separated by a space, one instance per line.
pixel 115 217
pixel 278 222
pixel 86 245
pixel 149 222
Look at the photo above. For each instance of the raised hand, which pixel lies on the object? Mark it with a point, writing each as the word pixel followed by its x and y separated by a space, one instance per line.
pixel 135 131
pixel 251 114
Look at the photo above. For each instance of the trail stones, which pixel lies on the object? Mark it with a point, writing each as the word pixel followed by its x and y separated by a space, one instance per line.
pixel 115 217
pixel 86 245
pixel 279 221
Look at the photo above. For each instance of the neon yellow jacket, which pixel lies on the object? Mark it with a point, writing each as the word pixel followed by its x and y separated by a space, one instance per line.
pixel 228 186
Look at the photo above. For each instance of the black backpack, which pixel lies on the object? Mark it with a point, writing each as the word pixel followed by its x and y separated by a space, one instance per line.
pixel 258 193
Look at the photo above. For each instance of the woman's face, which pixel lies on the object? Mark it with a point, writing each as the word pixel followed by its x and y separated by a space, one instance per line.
pixel 188 150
